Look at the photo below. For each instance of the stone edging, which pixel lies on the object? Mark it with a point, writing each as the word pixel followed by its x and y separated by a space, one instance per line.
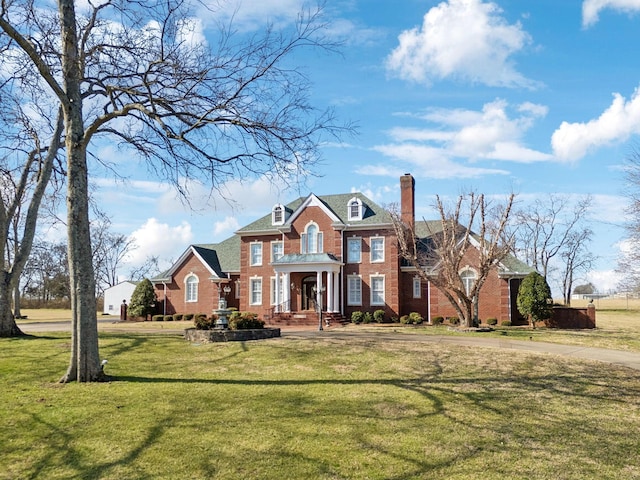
pixel 207 336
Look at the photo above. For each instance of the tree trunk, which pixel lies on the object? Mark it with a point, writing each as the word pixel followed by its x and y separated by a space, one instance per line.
pixel 84 365
pixel 8 326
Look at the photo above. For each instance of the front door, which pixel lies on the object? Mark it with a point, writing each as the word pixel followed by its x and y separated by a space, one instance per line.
pixel 309 285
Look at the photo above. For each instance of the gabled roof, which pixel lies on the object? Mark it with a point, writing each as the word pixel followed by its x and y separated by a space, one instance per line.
pixel 336 207
pixel 509 266
pixel 220 259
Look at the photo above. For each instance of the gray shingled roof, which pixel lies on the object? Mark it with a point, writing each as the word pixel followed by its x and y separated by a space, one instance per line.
pixel 374 214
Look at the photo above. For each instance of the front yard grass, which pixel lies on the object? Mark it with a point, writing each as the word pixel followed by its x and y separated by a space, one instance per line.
pixel 314 408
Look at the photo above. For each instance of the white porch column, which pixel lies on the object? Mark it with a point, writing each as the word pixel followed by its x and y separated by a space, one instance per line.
pixel 330 292
pixel 287 292
pixel 277 293
pixel 319 287
pixel 336 292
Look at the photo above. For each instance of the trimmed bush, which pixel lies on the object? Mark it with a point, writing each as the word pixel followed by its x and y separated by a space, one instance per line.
pixel 177 317
pixel 404 319
pixel 187 317
pixel 368 318
pixel 246 321
pixel 157 318
pixel 416 318
pixel 378 316
pixel 357 317
pixel 492 321
pixel 506 323
pixel 202 322
pixel 168 318
pixel 437 320
pixel 453 320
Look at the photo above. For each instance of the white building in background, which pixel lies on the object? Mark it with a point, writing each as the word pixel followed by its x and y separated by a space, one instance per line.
pixel 113 297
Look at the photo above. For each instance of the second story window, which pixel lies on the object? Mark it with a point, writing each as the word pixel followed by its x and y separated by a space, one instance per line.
pixel 377 249
pixel 311 241
pixel 256 254
pixel 277 250
pixel 354 250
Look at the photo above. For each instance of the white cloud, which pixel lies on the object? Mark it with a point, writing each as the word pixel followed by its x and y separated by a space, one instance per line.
pixel 159 239
pixel 572 141
pixel 605 281
pixel 225 228
pixel 251 14
pixel 466 39
pixel 591 9
pixel 494 133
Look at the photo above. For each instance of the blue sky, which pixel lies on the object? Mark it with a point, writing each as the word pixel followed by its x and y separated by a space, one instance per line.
pixel 536 97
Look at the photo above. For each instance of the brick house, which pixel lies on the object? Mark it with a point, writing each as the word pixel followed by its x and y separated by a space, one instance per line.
pixel 333 253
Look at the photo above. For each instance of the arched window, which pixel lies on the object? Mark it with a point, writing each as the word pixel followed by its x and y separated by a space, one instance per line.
pixel 191 288
pixel 311 240
pixel 354 208
pixel 468 278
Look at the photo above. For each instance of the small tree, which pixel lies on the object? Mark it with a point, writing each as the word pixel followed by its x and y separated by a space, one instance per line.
pixel 143 299
pixel 534 298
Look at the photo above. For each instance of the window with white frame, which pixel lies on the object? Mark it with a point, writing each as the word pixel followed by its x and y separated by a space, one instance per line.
pixel 354 250
pixel 311 240
pixel 255 289
pixel 377 249
pixel 256 254
pixel 191 288
pixel 354 208
pixel 417 287
pixel 468 278
pixel 277 250
pixel 277 215
pixel 237 289
pixel 354 290
pixel 377 290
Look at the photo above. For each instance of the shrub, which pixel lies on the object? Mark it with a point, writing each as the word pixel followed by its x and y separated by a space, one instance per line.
pixel 177 317
pixel 404 319
pixel 416 318
pixel 246 321
pixel 157 318
pixel 534 298
pixel 506 323
pixel 187 317
pixel 378 316
pixel 202 322
pixel 492 321
pixel 437 320
pixel 168 318
pixel 368 318
pixel 454 320
pixel 395 319
pixel 235 314
pixel 357 317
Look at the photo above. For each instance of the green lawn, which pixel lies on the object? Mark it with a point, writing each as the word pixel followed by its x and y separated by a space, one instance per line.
pixel 323 408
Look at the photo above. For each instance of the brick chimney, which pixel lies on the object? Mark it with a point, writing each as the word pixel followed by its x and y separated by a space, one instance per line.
pixel 407 199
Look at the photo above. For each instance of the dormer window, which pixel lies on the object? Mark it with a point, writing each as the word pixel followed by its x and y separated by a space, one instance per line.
pixel 277 215
pixel 355 208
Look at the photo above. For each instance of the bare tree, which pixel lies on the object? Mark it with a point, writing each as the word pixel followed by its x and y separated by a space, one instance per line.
pixel 629 259
pixel 131 71
pixel 554 229
pixel 440 255
pixel 109 251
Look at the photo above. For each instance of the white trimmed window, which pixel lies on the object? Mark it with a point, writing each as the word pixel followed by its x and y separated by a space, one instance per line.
pixel 377 290
pixel 277 250
pixel 277 215
pixel 237 290
pixel 468 278
pixel 273 290
pixel 354 290
pixel 255 289
pixel 311 240
pixel 354 250
pixel 191 288
pixel 377 249
pixel 417 287
pixel 354 208
pixel 256 254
